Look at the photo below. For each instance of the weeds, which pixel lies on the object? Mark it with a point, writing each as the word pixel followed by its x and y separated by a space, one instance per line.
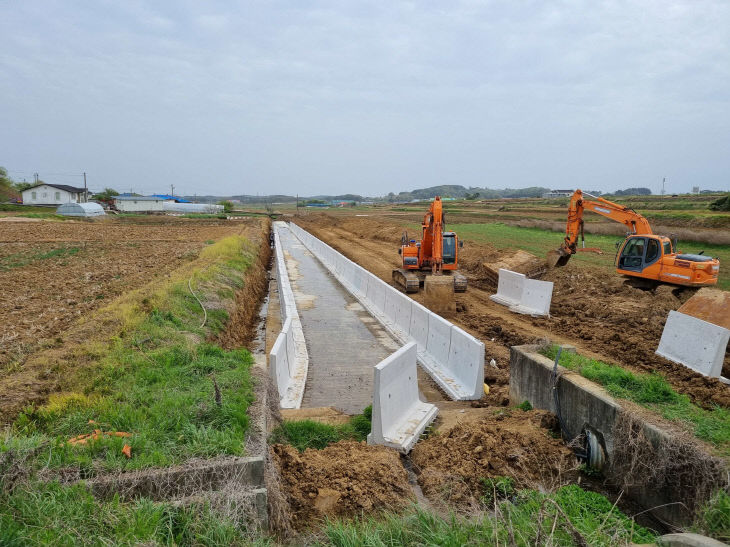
pixel 18 260
pixel 303 434
pixel 654 392
pixel 570 516
pixel 51 514
pixel 714 517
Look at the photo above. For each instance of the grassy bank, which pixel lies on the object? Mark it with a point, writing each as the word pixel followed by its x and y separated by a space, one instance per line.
pixel 303 434
pixel 538 242
pixel 654 392
pixel 154 395
pixel 569 516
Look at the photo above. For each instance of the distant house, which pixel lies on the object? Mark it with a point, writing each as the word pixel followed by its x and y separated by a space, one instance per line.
pixel 168 197
pixel 53 194
pixel 140 204
pixel 558 194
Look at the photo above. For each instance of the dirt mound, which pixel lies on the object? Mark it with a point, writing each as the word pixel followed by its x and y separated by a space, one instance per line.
pixel 515 260
pixel 346 478
pixel 626 324
pixel 515 444
pixel 712 305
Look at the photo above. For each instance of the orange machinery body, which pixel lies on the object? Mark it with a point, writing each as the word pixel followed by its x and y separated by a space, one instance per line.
pixel 642 254
pixel 438 250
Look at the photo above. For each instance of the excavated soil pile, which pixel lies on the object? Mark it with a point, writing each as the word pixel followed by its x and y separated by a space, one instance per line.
pixel 626 324
pixel 516 444
pixel 346 478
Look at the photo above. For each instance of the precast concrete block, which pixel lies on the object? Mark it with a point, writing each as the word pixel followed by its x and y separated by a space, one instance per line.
pixel 439 338
pixel 466 364
pixel 419 325
pixel 361 280
pixel 535 299
pixel 279 365
pixel 509 288
pixel 376 294
pixel 403 315
pixel 391 304
pixel 694 343
pixel 399 416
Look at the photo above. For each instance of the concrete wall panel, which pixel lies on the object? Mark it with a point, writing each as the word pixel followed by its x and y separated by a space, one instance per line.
pixel 279 365
pixel 509 288
pixel 419 325
pixel 439 338
pixel 399 416
pixel 694 343
pixel 376 293
pixel 536 298
pixel 466 362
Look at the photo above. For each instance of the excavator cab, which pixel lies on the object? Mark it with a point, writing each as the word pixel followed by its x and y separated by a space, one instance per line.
pixel 639 252
pixel 449 248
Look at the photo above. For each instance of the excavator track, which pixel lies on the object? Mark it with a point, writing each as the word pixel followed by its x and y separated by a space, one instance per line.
pixel 408 281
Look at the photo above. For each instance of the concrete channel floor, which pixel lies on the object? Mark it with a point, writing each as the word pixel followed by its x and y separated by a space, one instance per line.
pixel 343 340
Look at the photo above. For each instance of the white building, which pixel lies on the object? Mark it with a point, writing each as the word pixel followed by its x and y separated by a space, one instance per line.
pixel 53 194
pixel 140 204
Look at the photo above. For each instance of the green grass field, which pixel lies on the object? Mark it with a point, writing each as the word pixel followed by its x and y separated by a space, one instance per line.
pixel 538 242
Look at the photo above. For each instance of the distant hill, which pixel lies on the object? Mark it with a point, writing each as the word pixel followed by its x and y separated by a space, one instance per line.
pixel 444 190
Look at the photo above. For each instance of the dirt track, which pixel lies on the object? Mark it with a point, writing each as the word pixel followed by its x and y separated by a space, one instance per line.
pixel 595 312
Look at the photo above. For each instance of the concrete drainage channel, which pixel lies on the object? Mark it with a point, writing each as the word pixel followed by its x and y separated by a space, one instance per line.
pixel 665 472
pixel 455 361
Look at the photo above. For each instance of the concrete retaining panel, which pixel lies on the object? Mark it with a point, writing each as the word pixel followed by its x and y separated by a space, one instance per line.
pixel 694 343
pixel 535 299
pixel 419 325
pixel 585 405
pixel 403 310
pixel 291 355
pixel 399 416
pixel 439 338
pixel 466 361
pixel 509 288
pixel 279 364
pixel 376 293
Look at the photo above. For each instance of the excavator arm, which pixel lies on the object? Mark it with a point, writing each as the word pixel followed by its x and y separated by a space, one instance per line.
pixel 635 223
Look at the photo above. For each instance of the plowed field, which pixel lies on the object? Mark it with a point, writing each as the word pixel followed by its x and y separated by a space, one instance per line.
pixel 52 273
pixel 592 308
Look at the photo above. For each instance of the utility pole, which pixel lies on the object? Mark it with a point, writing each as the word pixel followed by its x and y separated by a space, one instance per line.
pixel 86 190
pixel 297 204
pixel 664 179
pixel 172 190
pixel 35 175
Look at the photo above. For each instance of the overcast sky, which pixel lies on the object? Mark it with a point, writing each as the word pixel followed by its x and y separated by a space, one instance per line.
pixel 365 97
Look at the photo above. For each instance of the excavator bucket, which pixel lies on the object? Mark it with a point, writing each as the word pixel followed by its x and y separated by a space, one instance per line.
pixel 438 293
pixel 557 258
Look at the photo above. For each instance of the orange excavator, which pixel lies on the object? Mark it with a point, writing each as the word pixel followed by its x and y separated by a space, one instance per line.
pixel 437 253
pixel 642 254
